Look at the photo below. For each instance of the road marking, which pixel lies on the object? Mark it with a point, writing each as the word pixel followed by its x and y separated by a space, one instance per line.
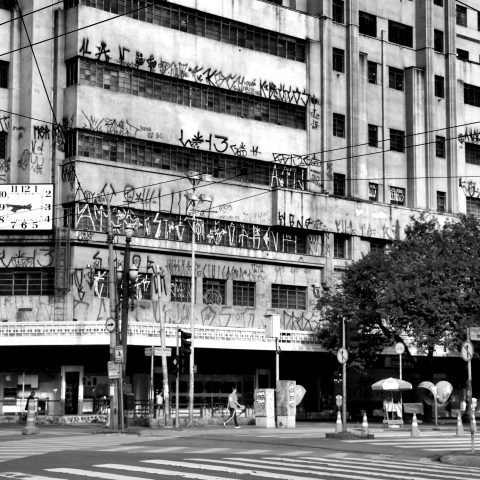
pixel 297 453
pixel 165 449
pixel 209 450
pixel 89 473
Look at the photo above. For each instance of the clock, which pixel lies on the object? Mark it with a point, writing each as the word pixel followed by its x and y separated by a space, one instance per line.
pixel 26 207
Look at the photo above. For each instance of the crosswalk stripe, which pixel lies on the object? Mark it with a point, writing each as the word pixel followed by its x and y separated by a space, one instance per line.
pixel 121 449
pixel 243 471
pixel 415 465
pixel 209 450
pixel 165 449
pixel 253 452
pixel 323 464
pixel 297 453
pixel 89 473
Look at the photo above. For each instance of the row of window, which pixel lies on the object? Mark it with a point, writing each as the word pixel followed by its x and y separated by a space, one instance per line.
pixel 202 24
pixel 122 79
pixel 397 137
pixel 26 282
pixel 146 153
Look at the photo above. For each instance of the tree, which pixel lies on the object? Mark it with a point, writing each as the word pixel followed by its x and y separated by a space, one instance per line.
pixel 423 290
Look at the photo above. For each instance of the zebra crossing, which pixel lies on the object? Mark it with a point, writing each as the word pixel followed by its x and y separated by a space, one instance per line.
pixel 433 442
pixel 335 466
pixel 13 450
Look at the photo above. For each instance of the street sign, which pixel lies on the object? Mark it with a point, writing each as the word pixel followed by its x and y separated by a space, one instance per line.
pixel 467 350
pixel 475 333
pixel 342 355
pixel 158 351
pixel 113 370
pixel 118 354
pixel 110 324
pixel 400 348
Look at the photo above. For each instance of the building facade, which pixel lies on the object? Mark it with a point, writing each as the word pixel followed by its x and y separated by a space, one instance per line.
pixel 309 131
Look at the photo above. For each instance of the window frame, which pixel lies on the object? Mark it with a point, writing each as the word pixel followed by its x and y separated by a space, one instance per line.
pixel 208 288
pixel 472 153
pixel 339 184
pixel 438 41
pixel 372 135
pixel 440 147
pixel 400 34
pixel 27 281
pixel 395 193
pixel 338 11
pixel 367 24
pixel 396 78
pixel 244 293
pixel 397 140
pixel 372 75
pixel 185 282
pixel 439 86
pixel 338 125
pixel 441 201
pixel 338 60
pixel 461 15
pixel 340 246
pixel 291 297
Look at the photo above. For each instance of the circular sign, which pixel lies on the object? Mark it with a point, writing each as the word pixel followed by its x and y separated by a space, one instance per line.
pixel 110 325
pixel 342 355
pixel 467 350
pixel 400 348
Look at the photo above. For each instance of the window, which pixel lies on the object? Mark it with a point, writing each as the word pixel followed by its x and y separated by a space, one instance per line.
pixel 472 153
pixel 213 291
pixel 377 246
pixel 339 125
pixel 473 206
pixel 439 86
pixel 3 74
pixel 243 294
pixel 478 21
pixel 338 60
pixel 438 2
pixel 373 192
pixel 400 34
pixel 338 10
pixel 471 95
pixel 395 78
pixel 463 54
pixel 372 72
pixel 180 289
pixel 397 196
pixel 438 41
pixel 440 147
pixel 289 296
pixel 339 184
pixel 461 15
pixel 397 140
pixel 373 136
pixel 26 282
pixel 339 246
pixel 367 24
pixel 441 201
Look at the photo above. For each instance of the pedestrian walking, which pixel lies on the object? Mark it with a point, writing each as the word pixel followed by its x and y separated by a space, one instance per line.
pixel 30 401
pixel 159 402
pixel 232 406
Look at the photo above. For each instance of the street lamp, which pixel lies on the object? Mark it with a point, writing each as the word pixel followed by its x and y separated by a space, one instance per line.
pixel 125 276
pixel 194 201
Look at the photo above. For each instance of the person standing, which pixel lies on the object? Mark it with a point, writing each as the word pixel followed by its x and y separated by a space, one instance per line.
pixel 159 402
pixel 232 406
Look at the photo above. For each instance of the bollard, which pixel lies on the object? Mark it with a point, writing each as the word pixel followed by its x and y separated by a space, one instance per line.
pixel 364 424
pixel 460 430
pixel 474 423
pixel 30 427
pixel 339 425
pixel 415 430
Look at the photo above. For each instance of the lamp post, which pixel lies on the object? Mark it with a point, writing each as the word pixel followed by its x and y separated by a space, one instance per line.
pixel 125 275
pixel 193 201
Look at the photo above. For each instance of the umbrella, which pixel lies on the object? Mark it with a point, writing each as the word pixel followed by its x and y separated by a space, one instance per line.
pixel 392 385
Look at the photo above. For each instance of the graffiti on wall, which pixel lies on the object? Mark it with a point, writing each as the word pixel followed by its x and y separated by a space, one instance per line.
pixel 471 135
pixel 30 308
pixel 134 58
pixel 292 160
pixel 26 257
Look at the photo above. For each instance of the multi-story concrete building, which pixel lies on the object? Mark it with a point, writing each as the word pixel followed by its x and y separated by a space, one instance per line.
pixel 324 125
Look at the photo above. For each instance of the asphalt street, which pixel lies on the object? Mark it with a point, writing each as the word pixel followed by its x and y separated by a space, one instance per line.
pixel 214 453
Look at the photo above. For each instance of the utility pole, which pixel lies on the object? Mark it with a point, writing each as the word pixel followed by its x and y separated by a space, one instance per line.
pixel 163 345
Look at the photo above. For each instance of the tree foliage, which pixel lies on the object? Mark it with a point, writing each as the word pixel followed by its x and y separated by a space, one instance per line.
pixel 424 289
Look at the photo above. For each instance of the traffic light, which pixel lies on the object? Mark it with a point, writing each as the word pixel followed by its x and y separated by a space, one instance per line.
pixel 185 350
pixel 175 365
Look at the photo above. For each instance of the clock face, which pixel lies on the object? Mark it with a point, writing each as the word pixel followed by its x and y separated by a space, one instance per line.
pixel 26 207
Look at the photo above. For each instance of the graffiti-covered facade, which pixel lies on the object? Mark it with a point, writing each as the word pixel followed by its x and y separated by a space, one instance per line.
pixel 324 126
